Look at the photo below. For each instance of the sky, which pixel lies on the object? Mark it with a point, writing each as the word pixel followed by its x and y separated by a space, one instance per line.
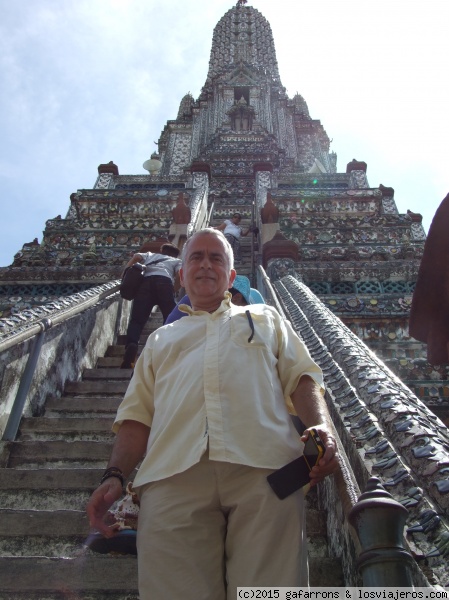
pixel 84 82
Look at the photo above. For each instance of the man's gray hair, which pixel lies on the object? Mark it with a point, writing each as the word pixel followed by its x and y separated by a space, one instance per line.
pixel 210 231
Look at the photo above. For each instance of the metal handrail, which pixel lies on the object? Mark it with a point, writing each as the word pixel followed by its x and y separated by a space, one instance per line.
pixel 209 216
pixel 271 291
pixel 253 258
pixel 12 425
pixel 199 199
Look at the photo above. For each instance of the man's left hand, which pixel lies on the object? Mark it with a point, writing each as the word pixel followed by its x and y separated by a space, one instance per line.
pixel 328 463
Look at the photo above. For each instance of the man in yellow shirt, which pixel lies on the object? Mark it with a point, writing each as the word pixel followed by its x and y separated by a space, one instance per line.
pixel 207 410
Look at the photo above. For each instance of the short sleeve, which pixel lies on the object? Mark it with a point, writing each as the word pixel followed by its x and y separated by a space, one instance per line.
pixel 138 403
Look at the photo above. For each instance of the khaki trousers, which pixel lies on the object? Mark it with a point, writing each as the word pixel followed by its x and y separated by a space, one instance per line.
pixel 215 527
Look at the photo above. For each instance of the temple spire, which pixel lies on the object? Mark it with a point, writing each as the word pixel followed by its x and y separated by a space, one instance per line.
pixel 243 35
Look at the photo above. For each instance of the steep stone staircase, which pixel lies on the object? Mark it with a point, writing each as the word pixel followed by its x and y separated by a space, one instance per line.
pixel 54 465
pixel 52 469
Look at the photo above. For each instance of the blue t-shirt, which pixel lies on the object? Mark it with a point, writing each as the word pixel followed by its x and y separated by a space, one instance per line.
pixel 176 314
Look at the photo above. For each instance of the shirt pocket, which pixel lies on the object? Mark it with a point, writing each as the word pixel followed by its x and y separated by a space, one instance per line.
pixel 252 330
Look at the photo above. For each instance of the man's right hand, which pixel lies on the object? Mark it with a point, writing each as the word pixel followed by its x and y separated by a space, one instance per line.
pixel 128 450
pixel 101 500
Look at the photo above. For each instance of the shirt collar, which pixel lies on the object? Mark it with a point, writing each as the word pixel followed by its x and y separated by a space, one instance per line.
pixel 224 306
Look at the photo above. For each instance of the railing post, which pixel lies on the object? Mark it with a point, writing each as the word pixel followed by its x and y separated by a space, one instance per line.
pixel 379 524
pixel 13 423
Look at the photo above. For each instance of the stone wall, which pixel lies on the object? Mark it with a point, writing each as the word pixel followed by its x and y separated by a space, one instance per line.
pixel 68 348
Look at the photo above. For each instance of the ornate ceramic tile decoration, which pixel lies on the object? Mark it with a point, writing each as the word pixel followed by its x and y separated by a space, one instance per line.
pixel 399 439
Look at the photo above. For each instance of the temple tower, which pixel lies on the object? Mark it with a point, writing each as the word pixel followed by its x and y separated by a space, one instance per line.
pixel 244 145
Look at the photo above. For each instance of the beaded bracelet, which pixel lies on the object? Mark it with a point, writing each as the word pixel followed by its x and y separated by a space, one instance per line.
pixel 113 472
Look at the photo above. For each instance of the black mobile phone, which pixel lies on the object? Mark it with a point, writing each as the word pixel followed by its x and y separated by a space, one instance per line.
pixel 295 474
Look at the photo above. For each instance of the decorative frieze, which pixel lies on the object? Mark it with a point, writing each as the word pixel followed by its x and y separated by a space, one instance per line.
pixel 181 154
pixel 389 206
pixel 104 181
pixel 263 182
pixel 357 180
pixel 317 202
pixel 369 306
pixel 417 232
pixel 22 320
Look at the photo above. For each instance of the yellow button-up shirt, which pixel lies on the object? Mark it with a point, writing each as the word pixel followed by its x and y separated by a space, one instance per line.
pixel 200 384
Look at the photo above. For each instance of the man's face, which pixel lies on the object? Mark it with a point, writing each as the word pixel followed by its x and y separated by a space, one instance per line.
pixel 206 274
pixel 236 219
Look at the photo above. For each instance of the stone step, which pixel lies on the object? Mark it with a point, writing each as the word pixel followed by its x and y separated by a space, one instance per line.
pixel 68 546
pixel 108 362
pixel 95 404
pixel 106 388
pixel 49 533
pixel 42 532
pixel 43 453
pixel 325 572
pixel 56 595
pixel 49 488
pixel 93 428
pixel 51 425
pixel 71 527
pixel 119 350
pixel 47 499
pixel 75 578
pixel 121 339
pixel 50 479
pixel 153 323
pixel 113 373
pixel 70 436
